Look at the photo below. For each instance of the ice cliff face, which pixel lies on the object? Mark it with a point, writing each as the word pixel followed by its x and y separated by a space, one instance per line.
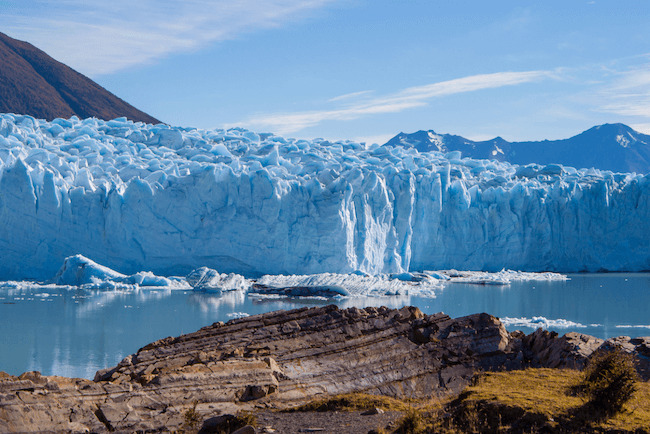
pixel 139 197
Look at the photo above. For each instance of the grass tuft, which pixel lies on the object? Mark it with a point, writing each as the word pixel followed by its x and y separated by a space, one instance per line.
pixel 610 381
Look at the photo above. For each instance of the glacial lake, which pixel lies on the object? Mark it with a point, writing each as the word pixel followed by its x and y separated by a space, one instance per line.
pixel 74 332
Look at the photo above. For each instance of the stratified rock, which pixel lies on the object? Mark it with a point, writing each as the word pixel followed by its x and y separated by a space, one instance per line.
pixel 546 349
pixel 574 350
pixel 280 359
pixel 638 347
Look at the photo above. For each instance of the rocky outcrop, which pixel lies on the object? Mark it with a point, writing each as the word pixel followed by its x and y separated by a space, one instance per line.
pixel 638 347
pixel 279 359
pixel 546 349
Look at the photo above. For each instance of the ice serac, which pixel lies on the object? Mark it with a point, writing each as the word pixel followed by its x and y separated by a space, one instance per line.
pixel 134 197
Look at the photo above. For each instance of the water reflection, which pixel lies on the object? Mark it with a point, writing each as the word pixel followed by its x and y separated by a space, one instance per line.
pixel 73 332
pixel 211 304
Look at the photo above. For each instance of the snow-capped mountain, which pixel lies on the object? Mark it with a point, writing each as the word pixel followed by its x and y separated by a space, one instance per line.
pixel 614 147
pixel 139 197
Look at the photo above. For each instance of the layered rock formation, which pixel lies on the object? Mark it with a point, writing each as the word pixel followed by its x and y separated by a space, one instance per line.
pixel 279 359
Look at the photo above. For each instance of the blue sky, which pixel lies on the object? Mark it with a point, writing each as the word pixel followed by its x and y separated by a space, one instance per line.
pixel 361 70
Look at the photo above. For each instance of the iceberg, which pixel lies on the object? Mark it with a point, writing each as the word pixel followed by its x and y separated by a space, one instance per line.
pixel 503 277
pixel 343 285
pixel 208 280
pixel 85 273
pixel 170 200
pixel 78 270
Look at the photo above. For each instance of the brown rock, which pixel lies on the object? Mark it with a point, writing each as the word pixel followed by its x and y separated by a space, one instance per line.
pixel 245 430
pixel 638 347
pixel 546 349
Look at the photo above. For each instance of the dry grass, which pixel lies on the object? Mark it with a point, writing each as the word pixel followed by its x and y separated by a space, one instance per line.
pixel 528 401
pixel 544 397
pixel 540 390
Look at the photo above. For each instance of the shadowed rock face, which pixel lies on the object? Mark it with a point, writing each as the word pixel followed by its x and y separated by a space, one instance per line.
pixel 275 359
pixel 33 83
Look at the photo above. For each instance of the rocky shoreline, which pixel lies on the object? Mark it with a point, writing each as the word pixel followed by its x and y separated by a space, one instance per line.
pixel 284 358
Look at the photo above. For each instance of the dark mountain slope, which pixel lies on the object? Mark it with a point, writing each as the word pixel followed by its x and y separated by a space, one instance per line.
pixel 22 90
pixel 33 83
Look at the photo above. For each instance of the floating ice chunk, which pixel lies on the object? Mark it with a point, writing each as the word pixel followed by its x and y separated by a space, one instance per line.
pixel 207 279
pixel 78 270
pixel 436 275
pixel 203 277
pixel 503 277
pixel 111 285
pixel 542 322
pixel 236 315
pixel 147 278
pixel 326 291
pixel 343 285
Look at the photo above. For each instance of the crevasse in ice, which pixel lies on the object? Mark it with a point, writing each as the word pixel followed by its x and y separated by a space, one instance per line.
pixel 138 197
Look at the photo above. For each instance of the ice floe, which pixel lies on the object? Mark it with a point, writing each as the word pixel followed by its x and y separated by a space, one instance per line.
pixel 542 322
pixel 80 272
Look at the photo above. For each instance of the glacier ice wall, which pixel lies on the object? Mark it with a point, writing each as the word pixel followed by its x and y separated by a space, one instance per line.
pixel 139 197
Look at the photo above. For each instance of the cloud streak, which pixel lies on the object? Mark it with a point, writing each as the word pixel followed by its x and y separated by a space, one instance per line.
pixel 628 94
pixel 99 37
pixel 350 95
pixel 287 123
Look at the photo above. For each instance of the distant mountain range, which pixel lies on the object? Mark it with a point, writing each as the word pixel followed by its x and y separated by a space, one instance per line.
pixel 614 147
pixel 33 83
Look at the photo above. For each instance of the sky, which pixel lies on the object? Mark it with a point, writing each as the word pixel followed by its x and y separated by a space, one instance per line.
pixel 358 69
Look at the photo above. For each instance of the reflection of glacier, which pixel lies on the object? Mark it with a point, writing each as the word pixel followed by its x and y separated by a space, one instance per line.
pixel 95 301
pixel 209 303
pixel 64 363
pixel 140 197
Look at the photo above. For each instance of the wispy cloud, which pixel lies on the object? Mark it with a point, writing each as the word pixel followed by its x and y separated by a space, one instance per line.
pixel 287 123
pixel 100 37
pixel 628 94
pixel 642 128
pixel 351 95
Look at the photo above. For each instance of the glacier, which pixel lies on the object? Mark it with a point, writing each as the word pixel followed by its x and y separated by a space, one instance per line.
pixel 170 200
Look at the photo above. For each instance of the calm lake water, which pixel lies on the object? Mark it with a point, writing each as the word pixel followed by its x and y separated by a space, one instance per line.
pixel 75 332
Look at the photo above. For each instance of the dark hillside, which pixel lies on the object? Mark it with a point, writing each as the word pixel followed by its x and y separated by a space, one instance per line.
pixel 33 83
